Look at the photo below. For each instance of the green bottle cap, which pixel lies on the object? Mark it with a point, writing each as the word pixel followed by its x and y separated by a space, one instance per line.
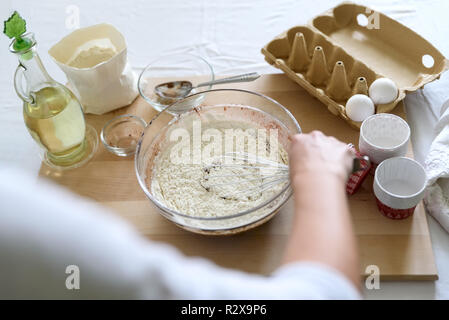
pixel 15 27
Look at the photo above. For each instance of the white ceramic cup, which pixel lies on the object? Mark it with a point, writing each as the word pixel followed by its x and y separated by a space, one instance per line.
pixel 399 185
pixel 384 136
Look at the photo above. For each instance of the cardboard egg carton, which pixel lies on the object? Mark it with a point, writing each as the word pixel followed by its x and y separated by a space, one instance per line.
pixel 342 51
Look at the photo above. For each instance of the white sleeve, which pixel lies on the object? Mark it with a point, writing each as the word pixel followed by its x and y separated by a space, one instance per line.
pixel 44 229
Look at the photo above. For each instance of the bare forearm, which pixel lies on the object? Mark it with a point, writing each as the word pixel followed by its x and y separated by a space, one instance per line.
pixel 322 229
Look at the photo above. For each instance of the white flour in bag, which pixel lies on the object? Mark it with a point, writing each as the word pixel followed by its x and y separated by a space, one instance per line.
pixel 92 53
pixel 95 62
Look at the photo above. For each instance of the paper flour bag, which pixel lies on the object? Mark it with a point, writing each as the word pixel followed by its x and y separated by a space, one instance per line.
pixel 95 62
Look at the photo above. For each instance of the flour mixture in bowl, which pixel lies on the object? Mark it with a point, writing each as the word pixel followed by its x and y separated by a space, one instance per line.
pixel 207 166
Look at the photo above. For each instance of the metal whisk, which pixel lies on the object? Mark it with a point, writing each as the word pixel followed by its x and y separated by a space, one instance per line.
pixel 245 178
pixel 248 176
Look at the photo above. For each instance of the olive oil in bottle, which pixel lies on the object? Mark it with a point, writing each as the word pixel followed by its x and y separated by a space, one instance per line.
pixel 53 115
pixel 56 122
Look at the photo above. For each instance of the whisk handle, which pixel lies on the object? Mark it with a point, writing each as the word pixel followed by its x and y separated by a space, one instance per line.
pixel 360 162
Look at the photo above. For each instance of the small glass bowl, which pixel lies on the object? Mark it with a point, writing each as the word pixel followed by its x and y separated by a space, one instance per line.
pixel 167 68
pixel 121 134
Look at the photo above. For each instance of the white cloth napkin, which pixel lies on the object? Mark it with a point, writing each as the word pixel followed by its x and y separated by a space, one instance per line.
pixel 437 167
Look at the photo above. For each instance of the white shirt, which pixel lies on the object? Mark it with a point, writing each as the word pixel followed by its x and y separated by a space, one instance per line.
pixel 44 229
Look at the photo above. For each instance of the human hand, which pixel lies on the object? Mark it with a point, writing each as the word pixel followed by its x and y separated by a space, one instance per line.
pixel 317 153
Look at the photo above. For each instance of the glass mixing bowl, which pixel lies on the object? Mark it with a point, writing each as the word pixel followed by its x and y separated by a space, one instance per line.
pixel 149 146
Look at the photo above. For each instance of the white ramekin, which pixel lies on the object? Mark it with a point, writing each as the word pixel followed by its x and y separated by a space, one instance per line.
pixel 384 136
pixel 399 185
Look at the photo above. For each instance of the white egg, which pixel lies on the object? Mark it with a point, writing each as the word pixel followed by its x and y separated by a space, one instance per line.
pixel 359 107
pixel 383 91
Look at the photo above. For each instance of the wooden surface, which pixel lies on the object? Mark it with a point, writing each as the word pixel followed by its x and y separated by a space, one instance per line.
pixel 401 249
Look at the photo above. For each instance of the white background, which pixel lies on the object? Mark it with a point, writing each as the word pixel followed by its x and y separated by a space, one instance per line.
pixel 228 33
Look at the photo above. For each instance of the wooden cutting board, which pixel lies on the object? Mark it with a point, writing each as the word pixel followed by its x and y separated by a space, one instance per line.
pixel 401 249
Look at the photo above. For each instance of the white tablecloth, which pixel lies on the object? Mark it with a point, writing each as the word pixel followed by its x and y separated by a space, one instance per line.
pixel 228 33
